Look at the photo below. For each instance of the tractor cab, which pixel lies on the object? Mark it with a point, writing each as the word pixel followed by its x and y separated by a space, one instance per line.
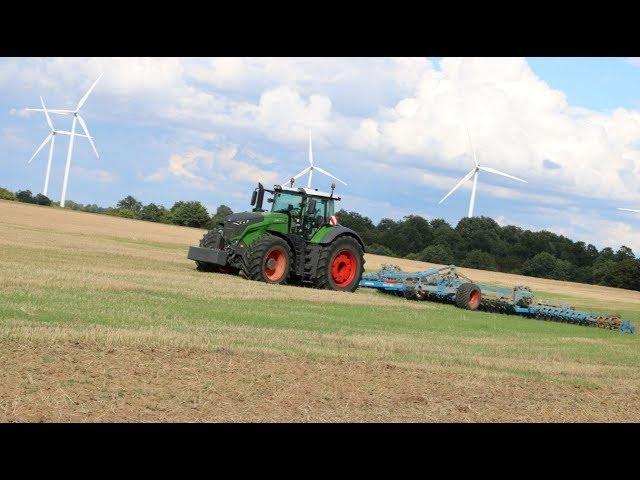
pixel 307 209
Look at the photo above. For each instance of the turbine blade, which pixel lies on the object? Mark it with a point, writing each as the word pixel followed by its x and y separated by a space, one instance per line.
pixel 464 179
pixel 46 140
pixel 630 210
pixel 86 95
pixel 473 149
pixel 328 174
pixel 65 132
pixel 46 114
pixel 86 131
pixel 303 172
pixel 58 111
pixel 498 172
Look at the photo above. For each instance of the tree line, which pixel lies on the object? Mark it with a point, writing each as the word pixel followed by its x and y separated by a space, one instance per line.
pixel 474 242
pixel 480 242
pixel 187 214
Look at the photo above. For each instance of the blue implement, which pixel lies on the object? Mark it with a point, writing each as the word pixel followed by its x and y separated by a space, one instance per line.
pixel 448 284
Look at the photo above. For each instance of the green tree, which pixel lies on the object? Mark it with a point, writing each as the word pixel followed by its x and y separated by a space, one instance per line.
pixel 626 274
pixel 413 234
pixel 479 259
pixel 221 213
pixel 480 233
pixel 25 196
pixel 361 224
pixel 564 270
pixel 70 204
pixel 623 253
pixel 123 212
pixel 130 203
pixel 190 214
pixel 378 249
pixel 153 213
pixel 6 194
pixel 41 199
pixel 437 254
pixel 541 265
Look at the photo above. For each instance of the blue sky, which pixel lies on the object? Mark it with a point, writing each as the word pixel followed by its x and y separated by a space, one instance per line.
pixel 208 129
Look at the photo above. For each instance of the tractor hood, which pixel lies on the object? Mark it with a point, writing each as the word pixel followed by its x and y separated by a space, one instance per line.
pixel 236 223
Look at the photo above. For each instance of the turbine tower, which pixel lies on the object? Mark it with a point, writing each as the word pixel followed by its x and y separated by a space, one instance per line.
pixel 312 167
pixel 76 118
pixel 474 173
pixel 51 139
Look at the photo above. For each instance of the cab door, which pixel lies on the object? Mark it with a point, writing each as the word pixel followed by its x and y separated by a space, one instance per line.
pixel 318 219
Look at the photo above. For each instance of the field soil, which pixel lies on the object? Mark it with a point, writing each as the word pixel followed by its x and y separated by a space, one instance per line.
pixel 104 319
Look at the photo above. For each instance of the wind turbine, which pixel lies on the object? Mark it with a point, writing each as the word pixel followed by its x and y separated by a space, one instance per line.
pixel 310 169
pixel 629 210
pixel 52 139
pixel 76 118
pixel 474 173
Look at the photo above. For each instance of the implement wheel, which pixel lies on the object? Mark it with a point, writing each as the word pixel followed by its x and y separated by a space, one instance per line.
pixel 268 259
pixel 468 296
pixel 340 265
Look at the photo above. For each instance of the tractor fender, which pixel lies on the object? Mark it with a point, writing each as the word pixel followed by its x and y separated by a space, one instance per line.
pixel 339 231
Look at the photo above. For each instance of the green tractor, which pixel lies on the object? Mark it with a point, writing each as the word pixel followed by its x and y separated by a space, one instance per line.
pixel 298 241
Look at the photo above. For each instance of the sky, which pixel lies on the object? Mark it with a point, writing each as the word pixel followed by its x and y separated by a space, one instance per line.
pixel 209 129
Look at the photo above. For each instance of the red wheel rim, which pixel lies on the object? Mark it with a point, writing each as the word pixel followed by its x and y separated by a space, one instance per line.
pixel 275 264
pixel 474 299
pixel 343 268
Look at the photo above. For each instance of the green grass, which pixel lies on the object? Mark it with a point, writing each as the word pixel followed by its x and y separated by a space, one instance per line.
pixel 437 333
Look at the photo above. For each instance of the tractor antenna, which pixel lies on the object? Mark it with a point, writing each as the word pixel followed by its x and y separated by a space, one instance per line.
pixel 291 180
pixel 333 187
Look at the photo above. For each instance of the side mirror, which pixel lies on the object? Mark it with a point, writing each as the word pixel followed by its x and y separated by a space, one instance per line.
pixel 311 208
pixel 254 196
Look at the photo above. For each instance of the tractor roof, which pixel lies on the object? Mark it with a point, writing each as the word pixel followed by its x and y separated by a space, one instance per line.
pixel 306 191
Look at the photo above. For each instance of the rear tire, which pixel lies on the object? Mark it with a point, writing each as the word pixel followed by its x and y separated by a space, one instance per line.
pixel 468 296
pixel 340 265
pixel 268 259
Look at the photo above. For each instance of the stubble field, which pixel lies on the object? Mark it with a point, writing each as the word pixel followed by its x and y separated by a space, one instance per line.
pixel 104 319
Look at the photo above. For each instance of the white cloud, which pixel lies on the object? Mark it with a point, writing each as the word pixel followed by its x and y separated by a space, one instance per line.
pixel 19 112
pixel 382 209
pixel 589 226
pixel 13 136
pixel 516 121
pixel 208 170
pixel 96 175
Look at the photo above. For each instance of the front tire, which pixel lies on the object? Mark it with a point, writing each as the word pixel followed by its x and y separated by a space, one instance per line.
pixel 340 265
pixel 268 259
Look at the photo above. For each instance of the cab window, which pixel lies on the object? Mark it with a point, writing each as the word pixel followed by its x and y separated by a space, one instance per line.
pixel 286 202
